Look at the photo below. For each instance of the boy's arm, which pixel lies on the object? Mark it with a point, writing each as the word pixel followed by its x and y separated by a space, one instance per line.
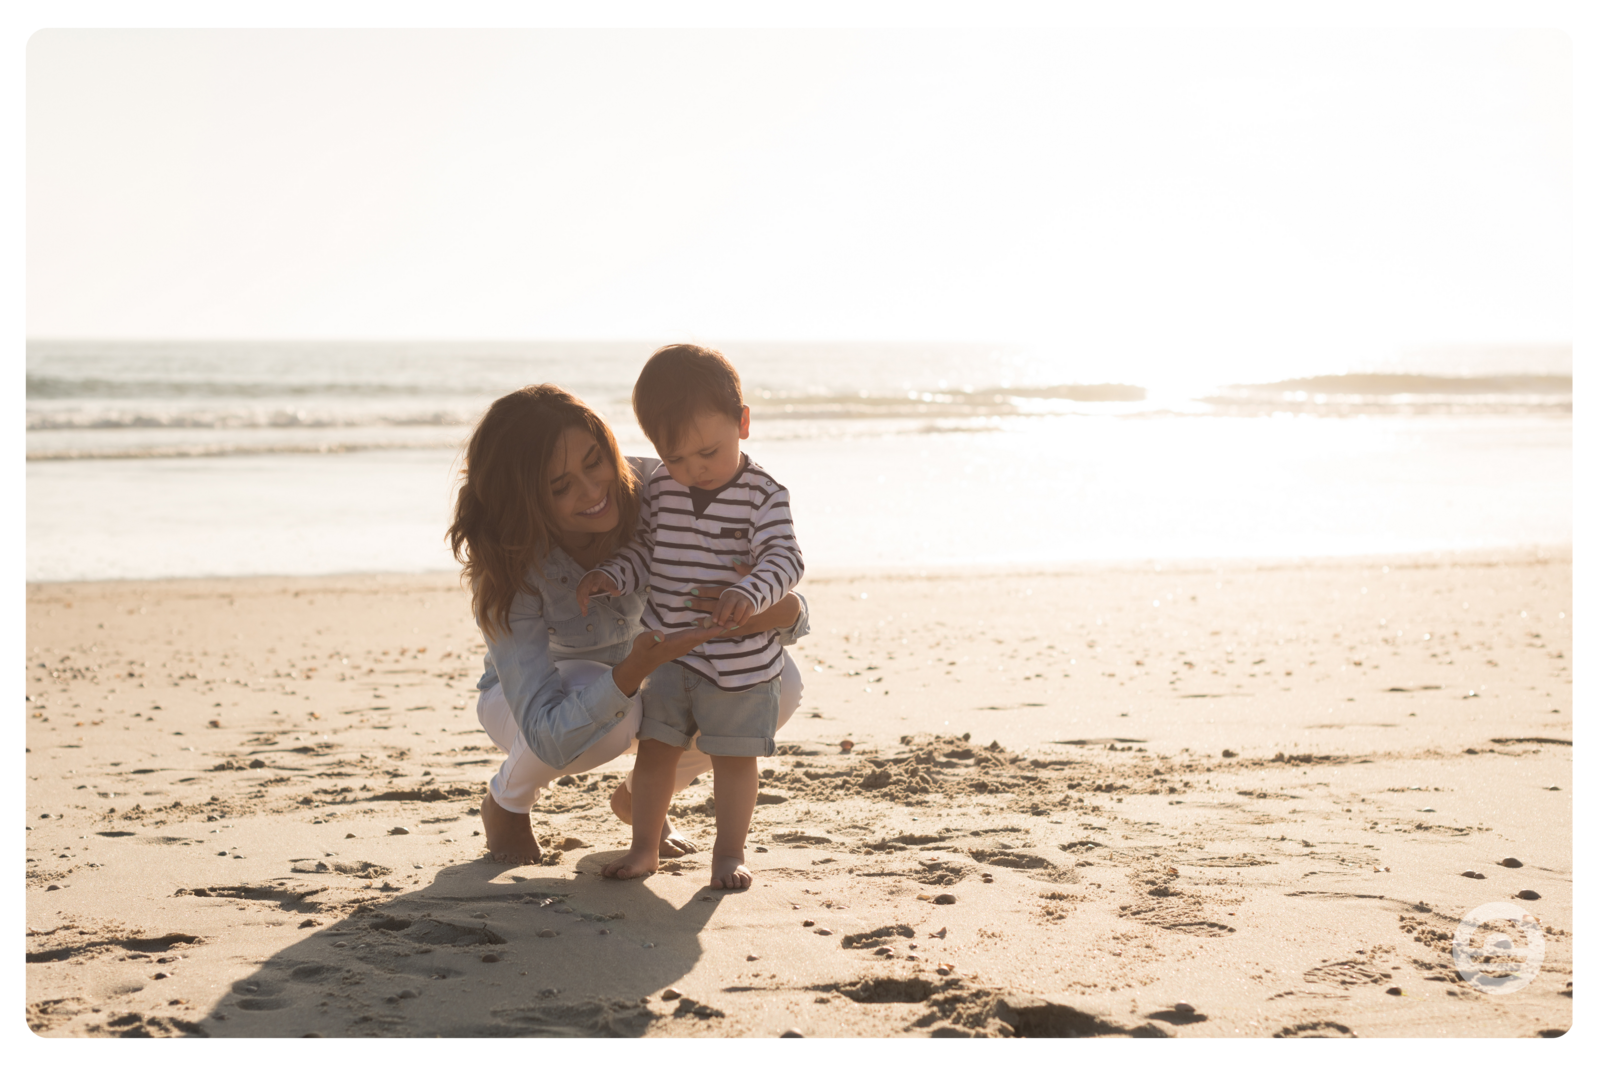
pixel 774 553
pixel 629 568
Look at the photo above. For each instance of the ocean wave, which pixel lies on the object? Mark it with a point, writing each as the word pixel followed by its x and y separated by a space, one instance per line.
pixel 215 449
pixel 852 408
pixel 1429 385
pixel 1407 395
pixel 231 418
pixel 159 413
pixel 1399 394
pixel 1405 405
pixel 60 387
pixel 992 402
pixel 56 446
pixel 1326 396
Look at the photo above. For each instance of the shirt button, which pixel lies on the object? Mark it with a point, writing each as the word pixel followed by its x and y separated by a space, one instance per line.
pixel 621 713
pixel 563 581
pixel 589 628
pixel 552 629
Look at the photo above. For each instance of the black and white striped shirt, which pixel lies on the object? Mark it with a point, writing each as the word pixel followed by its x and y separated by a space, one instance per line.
pixel 692 536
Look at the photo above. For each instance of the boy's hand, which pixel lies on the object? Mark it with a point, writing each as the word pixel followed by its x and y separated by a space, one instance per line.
pixel 780 615
pixel 705 597
pixel 733 610
pixel 594 583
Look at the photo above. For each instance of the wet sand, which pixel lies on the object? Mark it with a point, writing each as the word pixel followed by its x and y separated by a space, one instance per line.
pixel 1202 800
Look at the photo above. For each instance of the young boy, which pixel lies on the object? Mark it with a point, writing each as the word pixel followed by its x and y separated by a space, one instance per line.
pixel 706 508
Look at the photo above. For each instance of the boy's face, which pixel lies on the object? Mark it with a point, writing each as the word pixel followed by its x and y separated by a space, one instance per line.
pixel 706 453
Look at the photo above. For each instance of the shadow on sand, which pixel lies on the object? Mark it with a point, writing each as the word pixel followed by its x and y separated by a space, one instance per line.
pixel 485 950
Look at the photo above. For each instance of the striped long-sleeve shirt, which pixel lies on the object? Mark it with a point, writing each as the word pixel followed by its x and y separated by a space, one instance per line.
pixel 692 536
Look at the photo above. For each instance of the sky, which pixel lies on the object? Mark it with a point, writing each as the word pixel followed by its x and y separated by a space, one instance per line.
pixel 1144 191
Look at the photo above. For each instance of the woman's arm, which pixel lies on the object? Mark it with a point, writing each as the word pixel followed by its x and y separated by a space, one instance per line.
pixel 651 649
pixel 560 725
pixel 782 615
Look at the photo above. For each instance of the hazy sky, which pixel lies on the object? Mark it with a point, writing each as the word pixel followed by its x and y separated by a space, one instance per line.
pixel 1147 191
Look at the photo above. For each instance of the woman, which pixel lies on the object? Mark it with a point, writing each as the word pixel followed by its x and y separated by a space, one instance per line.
pixel 546 496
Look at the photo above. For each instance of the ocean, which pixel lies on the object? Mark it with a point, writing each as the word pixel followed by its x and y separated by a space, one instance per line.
pixel 197 459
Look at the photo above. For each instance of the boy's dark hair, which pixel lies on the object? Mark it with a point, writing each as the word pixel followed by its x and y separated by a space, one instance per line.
pixel 680 382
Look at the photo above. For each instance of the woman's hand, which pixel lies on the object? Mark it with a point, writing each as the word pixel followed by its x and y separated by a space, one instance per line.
pixel 654 648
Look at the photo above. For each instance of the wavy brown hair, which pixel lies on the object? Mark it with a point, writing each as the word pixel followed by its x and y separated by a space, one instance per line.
pixel 502 529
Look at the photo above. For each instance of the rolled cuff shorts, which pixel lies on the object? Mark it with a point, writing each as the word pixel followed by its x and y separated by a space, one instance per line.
pixel 678 702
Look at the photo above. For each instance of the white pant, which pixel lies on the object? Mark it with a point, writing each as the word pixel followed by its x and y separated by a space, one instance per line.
pixel 516 787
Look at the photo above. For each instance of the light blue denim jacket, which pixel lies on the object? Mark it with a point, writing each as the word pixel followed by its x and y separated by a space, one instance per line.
pixel 547 627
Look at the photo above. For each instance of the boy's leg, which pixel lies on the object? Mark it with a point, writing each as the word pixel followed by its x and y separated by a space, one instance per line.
pixel 736 727
pixel 695 762
pixel 665 725
pixel 652 793
pixel 734 784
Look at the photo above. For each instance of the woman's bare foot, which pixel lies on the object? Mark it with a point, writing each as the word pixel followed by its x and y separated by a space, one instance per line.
pixel 508 835
pixel 729 871
pixel 673 843
pixel 634 864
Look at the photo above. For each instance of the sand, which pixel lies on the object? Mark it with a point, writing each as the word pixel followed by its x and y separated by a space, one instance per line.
pixel 1232 799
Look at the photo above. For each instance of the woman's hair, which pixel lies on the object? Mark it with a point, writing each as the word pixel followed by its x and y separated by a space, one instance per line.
pixel 679 383
pixel 502 526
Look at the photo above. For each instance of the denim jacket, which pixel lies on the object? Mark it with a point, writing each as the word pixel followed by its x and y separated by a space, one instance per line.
pixel 547 627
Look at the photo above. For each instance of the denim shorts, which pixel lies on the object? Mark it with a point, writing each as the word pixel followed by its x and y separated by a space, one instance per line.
pixel 678 703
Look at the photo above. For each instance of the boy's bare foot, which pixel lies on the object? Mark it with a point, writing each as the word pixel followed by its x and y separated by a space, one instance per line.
pixel 509 836
pixel 729 871
pixel 633 864
pixel 673 843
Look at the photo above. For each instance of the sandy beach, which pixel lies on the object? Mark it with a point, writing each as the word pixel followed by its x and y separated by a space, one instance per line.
pixel 1205 799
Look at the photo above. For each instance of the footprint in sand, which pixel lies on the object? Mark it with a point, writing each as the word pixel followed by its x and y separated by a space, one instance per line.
pixel 1318 1028
pixel 258 995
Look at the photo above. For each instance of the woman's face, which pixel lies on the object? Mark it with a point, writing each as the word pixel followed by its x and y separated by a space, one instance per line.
pixel 581 478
